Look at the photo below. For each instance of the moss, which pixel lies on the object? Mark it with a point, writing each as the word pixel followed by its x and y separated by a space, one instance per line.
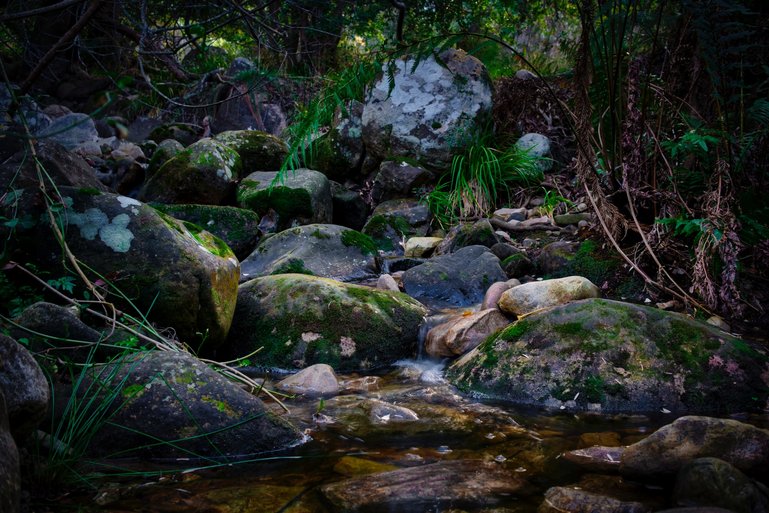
pixel 319 234
pixel 132 391
pixel 353 238
pixel 571 329
pixel 89 191
pixel 293 266
pixel 210 242
pixel 513 258
pixel 515 330
pixel 221 406
pixel 593 388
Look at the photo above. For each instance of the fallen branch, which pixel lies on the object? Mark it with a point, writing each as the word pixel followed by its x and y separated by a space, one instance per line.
pixel 510 227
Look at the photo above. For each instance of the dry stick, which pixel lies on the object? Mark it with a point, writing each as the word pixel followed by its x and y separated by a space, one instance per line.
pixel 525 228
pixel 63 40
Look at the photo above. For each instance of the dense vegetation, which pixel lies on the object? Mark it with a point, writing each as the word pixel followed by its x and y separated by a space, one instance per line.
pixel 659 110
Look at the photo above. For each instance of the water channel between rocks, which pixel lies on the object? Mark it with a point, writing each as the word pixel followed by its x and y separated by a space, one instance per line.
pixel 492 457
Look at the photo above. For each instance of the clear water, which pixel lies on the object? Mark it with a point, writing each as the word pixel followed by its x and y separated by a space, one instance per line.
pixel 350 437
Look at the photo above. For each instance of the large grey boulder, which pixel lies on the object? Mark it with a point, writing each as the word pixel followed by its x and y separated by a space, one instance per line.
pixel 325 250
pixel 302 196
pixel 24 386
pixel 458 279
pixel 194 411
pixel 205 173
pixel 300 320
pixel 616 357
pixel 668 449
pixel 70 130
pixel 432 111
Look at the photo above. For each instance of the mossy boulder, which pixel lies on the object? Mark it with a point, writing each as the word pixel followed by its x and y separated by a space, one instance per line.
pixel 325 250
pixel 259 151
pixel 301 320
pixel 302 196
pixel 237 227
pixel 458 279
pixel 395 220
pixel 173 271
pixel 169 404
pixel 165 151
pixel 204 173
pixel 479 233
pixel 616 357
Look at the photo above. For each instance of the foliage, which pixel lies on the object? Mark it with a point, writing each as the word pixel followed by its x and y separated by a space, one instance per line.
pixel 479 179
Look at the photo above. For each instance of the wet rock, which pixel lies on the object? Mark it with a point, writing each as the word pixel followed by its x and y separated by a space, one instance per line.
pixel 303 196
pixel 463 333
pixel 165 151
pixel 421 247
pixel 348 207
pixel 538 146
pixel 596 459
pixel 259 151
pixel 454 481
pixel 324 250
pixel 534 295
pixel 561 499
pixel 382 412
pixel 352 466
pixel 203 173
pixel 394 221
pixel 479 233
pixel 296 318
pixel 431 112
pixel 459 279
pixel 495 291
pixel 196 410
pixel 313 381
pixel 70 130
pixel 398 180
pixel 714 482
pixel 669 448
pixel 24 387
pixel 10 473
pixel 610 356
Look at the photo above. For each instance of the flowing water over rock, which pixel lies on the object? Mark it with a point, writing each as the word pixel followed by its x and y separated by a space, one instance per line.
pixel 404 441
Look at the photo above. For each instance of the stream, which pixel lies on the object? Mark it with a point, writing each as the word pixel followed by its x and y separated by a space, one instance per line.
pixel 368 429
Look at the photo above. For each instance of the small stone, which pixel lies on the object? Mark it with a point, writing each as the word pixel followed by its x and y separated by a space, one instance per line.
pixel 315 380
pixel 719 323
pixel 387 282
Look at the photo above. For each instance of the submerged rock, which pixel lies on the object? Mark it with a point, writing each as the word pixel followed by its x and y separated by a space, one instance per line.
pixel 301 320
pixel 665 451
pixel 445 482
pixel 458 279
pixel 562 499
pixel 324 250
pixel 194 411
pixel 612 356
pixel 714 482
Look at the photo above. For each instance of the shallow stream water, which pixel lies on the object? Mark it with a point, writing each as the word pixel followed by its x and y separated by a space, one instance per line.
pixel 363 431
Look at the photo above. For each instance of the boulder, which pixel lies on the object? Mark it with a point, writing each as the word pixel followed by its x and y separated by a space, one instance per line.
pixel 526 298
pixel 259 151
pixel 479 233
pixel 393 221
pixel 165 151
pixel 340 153
pixel 176 273
pixel 597 458
pixel 616 357
pixel 237 227
pixel 495 291
pixel 28 112
pixel 463 333
pixel 555 257
pixel 398 179
pixel 668 449
pixel 24 387
pixel 348 206
pixel 313 381
pixel 182 132
pixel 323 250
pixel 195 411
pixel 302 196
pixel 139 129
pixel 10 472
pixel 458 279
pixel 204 173
pixel 714 482
pixel 70 130
pixel 432 110
pixel 421 247
pixel 426 486
pixel 538 146
pixel 563 499
pixel 296 318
